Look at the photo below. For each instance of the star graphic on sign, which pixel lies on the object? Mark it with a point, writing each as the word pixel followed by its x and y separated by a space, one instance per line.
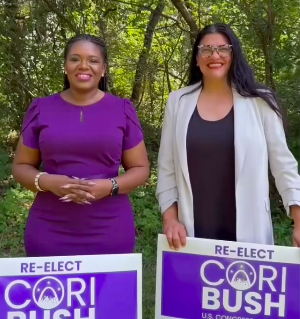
pixel 39 289
pixel 49 283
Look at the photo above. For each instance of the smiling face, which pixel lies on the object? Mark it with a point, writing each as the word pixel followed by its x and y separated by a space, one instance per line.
pixel 84 65
pixel 214 66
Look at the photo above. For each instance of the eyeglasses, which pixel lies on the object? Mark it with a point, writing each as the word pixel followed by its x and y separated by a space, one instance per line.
pixel 207 50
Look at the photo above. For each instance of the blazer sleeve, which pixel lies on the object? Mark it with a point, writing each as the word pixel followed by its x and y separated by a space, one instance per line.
pixel 283 164
pixel 167 192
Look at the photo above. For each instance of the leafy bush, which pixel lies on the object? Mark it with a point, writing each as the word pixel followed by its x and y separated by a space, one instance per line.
pixel 13 215
pixel 5 165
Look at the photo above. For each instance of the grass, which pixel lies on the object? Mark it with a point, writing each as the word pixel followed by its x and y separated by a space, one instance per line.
pixel 15 203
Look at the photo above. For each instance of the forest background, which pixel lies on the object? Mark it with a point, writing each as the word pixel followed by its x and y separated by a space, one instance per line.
pixel 149 44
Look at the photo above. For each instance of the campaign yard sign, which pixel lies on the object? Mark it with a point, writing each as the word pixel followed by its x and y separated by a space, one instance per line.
pixel 77 287
pixel 212 279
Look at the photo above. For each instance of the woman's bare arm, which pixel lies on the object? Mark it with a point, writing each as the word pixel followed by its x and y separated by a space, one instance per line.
pixel 25 165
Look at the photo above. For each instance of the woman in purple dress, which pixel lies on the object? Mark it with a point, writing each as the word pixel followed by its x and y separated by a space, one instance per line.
pixel 82 135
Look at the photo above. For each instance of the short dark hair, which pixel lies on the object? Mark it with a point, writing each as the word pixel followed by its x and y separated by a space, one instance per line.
pixel 95 40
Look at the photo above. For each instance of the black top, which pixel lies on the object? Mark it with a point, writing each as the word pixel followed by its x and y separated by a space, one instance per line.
pixel 210 156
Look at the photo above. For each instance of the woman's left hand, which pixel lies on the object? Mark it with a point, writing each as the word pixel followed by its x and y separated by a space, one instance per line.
pixel 100 189
pixel 295 213
pixel 296 236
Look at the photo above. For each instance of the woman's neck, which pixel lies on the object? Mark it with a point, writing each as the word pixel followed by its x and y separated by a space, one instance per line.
pixel 219 87
pixel 82 97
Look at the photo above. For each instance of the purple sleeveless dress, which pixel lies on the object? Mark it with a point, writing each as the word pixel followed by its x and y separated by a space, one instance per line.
pixel 86 142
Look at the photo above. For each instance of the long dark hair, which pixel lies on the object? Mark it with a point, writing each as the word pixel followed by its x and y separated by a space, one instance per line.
pixel 97 41
pixel 239 75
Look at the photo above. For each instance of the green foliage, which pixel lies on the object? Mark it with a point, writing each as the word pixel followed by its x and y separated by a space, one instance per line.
pixel 13 215
pixel 148 226
pixel 147 216
pixel 5 166
pixel 32 38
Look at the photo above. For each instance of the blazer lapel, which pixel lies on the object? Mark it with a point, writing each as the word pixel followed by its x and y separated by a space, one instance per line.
pixel 241 131
pixel 186 108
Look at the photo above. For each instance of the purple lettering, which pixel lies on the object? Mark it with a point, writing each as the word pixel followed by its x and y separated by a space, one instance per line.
pixel 47 267
pixel 78 264
pixel 53 267
pixel 24 267
pixel 270 253
pixel 222 250
pixel 71 267
pixel 218 250
pixel 60 266
pixel 240 252
pixel 253 252
pixel 261 254
pixel 246 253
pixel 32 267
pixel 226 250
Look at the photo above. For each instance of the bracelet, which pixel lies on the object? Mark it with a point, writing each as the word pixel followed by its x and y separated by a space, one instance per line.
pixel 36 181
pixel 115 188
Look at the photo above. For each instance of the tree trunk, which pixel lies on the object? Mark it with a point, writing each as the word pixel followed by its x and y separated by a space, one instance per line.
pixel 141 65
pixel 268 39
pixel 264 30
pixel 187 16
pixel 13 50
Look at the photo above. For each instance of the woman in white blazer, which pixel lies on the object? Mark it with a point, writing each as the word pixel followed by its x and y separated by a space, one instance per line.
pixel 218 137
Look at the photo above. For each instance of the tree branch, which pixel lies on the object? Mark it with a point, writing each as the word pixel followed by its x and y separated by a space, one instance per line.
pixel 55 10
pixel 142 62
pixel 187 16
pixel 171 74
pixel 152 10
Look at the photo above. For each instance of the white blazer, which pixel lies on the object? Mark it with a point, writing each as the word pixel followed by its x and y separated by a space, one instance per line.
pixel 259 139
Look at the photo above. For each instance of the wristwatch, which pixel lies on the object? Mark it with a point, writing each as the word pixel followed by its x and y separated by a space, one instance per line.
pixel 115 188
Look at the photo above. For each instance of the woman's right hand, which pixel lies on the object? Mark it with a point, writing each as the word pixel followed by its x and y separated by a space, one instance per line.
pixel 55 184
pixel 175 233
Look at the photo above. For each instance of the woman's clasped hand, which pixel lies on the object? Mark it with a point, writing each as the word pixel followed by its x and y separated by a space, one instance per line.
pixel 78 190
